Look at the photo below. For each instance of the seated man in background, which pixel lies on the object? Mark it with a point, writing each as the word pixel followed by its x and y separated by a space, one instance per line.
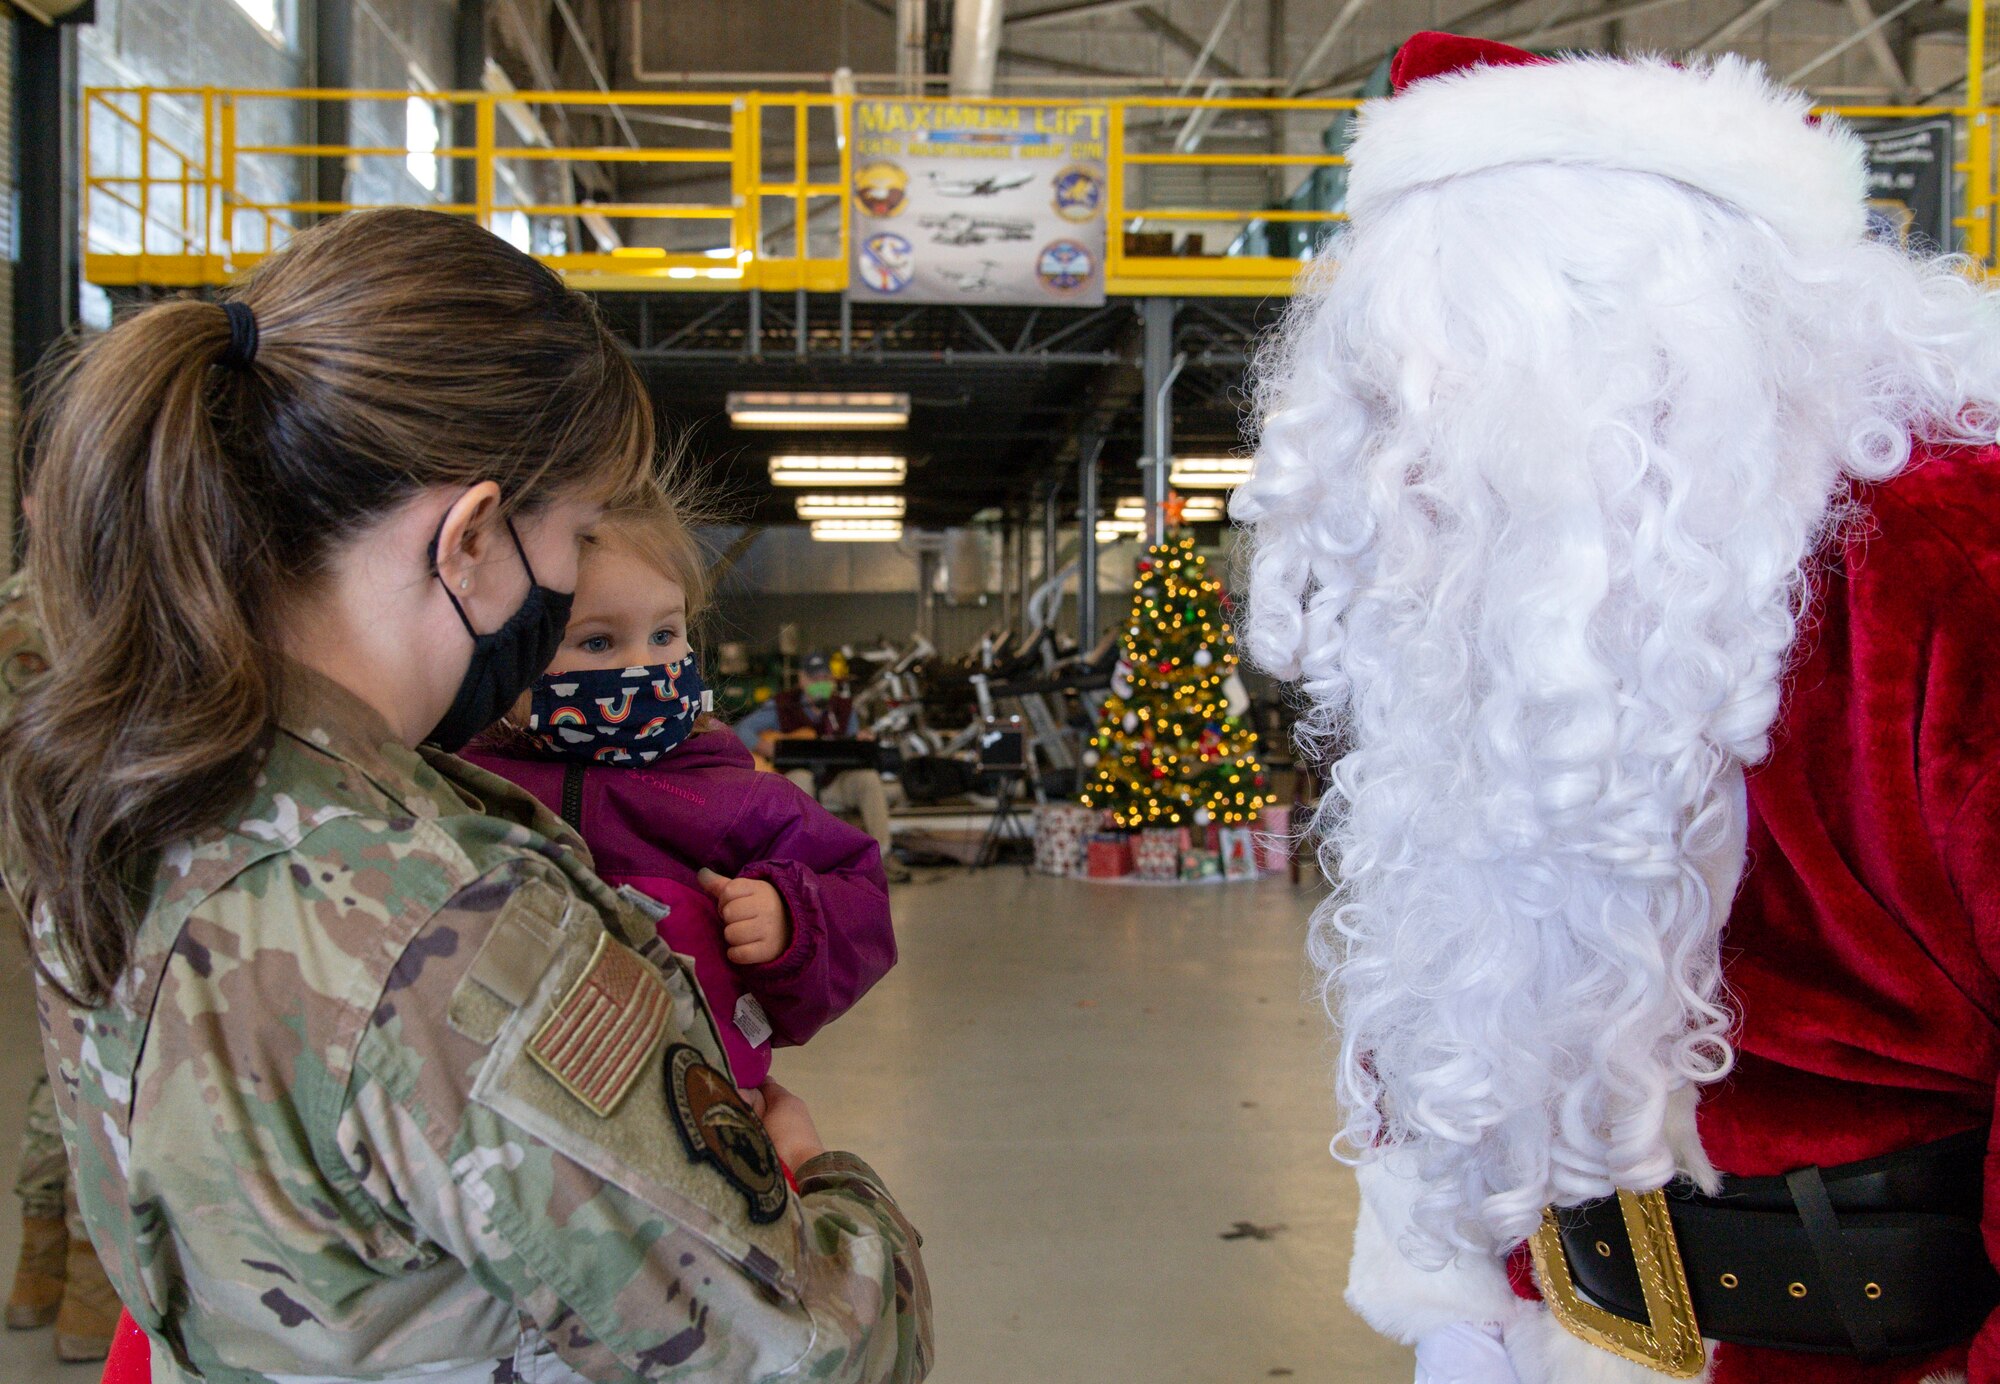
pixel 816 708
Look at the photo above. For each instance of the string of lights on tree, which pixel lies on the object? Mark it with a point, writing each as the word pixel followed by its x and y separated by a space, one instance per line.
pixel 1169 751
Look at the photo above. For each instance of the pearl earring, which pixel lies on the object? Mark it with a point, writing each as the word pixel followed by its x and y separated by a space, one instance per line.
pixel 465 583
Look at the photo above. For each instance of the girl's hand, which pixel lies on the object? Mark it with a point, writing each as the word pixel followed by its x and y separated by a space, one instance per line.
pixel 755 925
pixel 790 1126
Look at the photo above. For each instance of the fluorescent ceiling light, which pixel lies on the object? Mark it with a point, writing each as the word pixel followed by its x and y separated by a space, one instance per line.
pixel 1195 509
pixel 851 506
pixel 794 470
pixel 1209 473
pixel 857 530
pixel 1114 530
pixel 838 408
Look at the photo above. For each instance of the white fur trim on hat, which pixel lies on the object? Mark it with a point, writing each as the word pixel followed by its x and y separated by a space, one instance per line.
pixel 1722 127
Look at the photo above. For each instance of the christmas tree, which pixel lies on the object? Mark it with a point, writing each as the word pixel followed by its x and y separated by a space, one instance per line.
pixel 1169 751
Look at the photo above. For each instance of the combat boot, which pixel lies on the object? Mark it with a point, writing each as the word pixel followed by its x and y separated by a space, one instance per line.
pixel 88 1317
pixel 38 1277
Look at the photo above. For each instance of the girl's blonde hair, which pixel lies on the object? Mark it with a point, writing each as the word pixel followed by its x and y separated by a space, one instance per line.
pixel 653 524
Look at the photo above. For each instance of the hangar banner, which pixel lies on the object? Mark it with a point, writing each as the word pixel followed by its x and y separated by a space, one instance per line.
pixel 1910 182
pixel 974 202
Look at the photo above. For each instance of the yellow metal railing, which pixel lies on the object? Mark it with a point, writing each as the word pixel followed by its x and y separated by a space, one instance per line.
pixel 188 186
pixel 1126 272
pixel 180 189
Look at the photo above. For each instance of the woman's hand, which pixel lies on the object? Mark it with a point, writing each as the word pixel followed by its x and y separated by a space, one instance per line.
pixel 790 1126
pixel 755 926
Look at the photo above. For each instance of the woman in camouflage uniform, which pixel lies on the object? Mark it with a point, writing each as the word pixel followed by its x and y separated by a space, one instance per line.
pixel 364 1072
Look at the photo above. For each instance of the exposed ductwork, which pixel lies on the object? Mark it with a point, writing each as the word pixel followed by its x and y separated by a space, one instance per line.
pixel 975 46
pixel 910 46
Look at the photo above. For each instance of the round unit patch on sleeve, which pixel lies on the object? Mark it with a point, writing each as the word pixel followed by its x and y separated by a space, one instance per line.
pixel 601 1035
pixel 720 1129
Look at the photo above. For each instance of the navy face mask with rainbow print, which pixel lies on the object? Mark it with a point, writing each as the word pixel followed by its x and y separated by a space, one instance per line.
pixel 624 716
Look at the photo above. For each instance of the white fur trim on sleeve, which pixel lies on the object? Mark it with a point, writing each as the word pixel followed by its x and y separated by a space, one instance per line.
pixel 1721 126
pixel 1543 1353
pixel 1398 1298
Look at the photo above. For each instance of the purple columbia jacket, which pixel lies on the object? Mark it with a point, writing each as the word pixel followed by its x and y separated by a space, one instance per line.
pixel 704 805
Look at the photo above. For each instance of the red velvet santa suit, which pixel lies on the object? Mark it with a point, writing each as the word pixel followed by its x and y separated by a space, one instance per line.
pixel 1863 950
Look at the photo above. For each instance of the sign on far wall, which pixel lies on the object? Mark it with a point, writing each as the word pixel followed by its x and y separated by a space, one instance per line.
pixel 1909 182
pixel 978 202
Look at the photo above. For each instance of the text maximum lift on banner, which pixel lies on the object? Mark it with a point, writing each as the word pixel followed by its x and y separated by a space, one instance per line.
pixel 978 202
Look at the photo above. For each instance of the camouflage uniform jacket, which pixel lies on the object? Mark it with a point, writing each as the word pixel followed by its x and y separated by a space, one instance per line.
pixel 24 656
pixel 395 1088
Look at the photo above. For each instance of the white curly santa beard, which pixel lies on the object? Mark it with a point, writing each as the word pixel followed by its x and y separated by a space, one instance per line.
pixel 1538 562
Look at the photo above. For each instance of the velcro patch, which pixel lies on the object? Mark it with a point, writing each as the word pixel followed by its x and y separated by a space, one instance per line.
pixel 719 1129
pixel 606 1028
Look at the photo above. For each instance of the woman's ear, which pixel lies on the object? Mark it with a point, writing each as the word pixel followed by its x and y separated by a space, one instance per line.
pixel 466 535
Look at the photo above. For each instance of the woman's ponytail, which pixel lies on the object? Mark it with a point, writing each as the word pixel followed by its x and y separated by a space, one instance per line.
pixel 198 466
pixel 149 585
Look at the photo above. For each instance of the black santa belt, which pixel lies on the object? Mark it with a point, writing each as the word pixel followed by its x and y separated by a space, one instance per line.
pixel 1872 1259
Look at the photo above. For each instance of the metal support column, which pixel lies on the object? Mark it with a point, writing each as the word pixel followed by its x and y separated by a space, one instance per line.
pixel 1086 523
pixel 927 571
pixel 48 174
pixel 332 67
pixel 799 311
pixel 1159 367
pixel 468 73
pixel 754 338
pixel 1051 537
pixel 1024 567
pixel 45 164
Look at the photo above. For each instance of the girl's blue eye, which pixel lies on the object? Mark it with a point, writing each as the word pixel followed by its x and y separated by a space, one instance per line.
pixel 596 644
pixel 663 637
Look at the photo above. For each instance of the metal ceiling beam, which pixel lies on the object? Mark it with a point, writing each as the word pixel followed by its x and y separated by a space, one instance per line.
pixel 1343 17
pixel 1729 29
pixel 1201 117
pixel 1206 53
pixel 1869 31
pixel 1609 14
pixel 587 51
pixel 1183 40
pixel 1063 14
pixel 1078 69
pixel 1358 72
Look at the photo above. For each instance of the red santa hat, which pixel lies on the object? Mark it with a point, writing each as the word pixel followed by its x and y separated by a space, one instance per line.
pixel 1469 105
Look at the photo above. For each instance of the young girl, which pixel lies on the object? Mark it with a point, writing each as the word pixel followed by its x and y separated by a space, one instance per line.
pixel 782 907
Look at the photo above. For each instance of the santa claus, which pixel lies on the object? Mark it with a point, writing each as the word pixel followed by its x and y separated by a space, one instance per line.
pixel 1632 523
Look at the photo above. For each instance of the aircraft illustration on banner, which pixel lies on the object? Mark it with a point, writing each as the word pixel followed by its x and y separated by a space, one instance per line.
pixel 977 187
pixel 959 229
pixel 967 282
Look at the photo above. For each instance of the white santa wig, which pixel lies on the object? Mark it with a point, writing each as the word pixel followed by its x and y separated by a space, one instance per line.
pixel 1546 449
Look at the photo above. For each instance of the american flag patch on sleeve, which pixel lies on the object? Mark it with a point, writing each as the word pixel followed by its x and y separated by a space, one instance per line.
pixel 606 1028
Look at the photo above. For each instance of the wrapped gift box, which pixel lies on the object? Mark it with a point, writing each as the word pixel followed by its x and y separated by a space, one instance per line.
pixel 1198 864
pixel 1062 837
pixel 1157 853
pixel 1274 839
pixel 1108 856
pixel 1239 853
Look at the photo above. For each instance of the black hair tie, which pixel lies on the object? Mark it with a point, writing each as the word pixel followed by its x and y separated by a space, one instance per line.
pixel 242 347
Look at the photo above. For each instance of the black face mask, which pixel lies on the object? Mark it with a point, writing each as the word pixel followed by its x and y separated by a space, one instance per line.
pixel 506 662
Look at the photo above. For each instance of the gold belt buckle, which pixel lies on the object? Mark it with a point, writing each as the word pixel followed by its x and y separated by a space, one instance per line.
pixel 1669 1339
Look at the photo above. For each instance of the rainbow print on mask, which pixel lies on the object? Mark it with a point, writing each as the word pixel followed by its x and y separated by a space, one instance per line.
pixel 619 716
